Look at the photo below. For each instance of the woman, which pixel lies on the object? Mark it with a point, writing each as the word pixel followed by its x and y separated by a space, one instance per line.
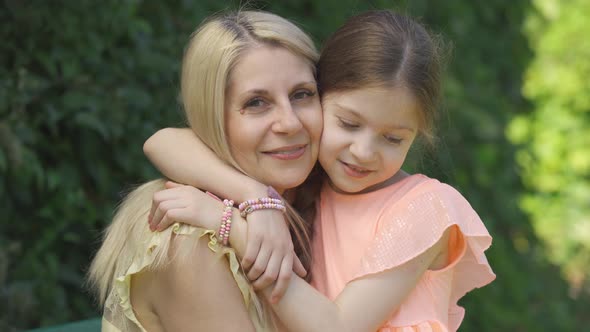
pixel 170 281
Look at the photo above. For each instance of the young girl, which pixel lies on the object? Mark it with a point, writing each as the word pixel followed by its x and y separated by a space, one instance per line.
pixel 391 251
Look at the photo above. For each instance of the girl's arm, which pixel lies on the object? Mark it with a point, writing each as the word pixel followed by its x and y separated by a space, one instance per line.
pixel 302 308
pixel 365 304
pixel 181 156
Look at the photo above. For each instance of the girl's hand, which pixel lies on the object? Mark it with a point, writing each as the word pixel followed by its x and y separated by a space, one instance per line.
pixel 269 255
pixel 179 203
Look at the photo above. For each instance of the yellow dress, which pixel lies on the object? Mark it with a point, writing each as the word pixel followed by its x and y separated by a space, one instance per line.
pixel 118 315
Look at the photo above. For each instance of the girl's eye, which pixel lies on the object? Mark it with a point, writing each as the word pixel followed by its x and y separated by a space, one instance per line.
pixel 393 140
pixel 347 125
pixel 302 94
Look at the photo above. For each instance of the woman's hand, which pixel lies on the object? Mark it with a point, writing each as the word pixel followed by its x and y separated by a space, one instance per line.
pixel 180 203
pixel 269 255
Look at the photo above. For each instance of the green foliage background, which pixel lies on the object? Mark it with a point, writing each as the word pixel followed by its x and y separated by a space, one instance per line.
pixel 84 83
pixel 555 138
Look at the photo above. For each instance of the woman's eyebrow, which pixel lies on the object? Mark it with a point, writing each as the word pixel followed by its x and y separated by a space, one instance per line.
pixel 258 91
pixel 298 85
pixel 255 91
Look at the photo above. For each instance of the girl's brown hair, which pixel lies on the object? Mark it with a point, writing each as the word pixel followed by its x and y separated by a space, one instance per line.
pixel 379 49
pixel 385 49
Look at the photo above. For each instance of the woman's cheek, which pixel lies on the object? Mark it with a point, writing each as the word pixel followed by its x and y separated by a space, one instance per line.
pixel 314 121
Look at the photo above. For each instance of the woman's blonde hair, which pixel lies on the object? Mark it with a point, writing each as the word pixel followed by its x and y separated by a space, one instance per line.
pixel 212 53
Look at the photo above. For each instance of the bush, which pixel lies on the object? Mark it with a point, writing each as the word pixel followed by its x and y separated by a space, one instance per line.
pixel 83 85
pixel 555 153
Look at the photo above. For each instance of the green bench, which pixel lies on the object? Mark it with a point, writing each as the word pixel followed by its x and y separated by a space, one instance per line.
pixel 90 325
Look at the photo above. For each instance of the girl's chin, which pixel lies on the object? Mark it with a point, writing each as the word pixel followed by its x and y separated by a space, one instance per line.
pixel 344 187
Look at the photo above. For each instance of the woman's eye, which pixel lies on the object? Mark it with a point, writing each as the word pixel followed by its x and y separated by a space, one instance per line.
pixel 302 94
pixel 347 124
pixel 393 139
pixel 255 104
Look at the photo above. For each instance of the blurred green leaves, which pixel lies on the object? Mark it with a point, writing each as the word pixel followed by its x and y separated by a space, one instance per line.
pixel 83 84
pixel 555 139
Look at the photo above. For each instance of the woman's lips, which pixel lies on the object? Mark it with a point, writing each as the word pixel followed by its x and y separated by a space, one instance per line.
pixel 287 152
pixel 355 171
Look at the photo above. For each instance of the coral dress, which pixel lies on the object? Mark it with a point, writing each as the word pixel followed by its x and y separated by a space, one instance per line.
pixel 358 235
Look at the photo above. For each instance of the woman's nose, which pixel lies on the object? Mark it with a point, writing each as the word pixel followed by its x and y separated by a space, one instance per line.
pixel 287 122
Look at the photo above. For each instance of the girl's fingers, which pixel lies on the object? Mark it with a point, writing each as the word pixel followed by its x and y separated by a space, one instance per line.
pixel 162 209
pixel 260 264
pixel 180 214
pixel 298 267
pixel 172 184
pixel 283 279
pixel 160 197
pixel 270 274
pixel 252 249
pixel 157 198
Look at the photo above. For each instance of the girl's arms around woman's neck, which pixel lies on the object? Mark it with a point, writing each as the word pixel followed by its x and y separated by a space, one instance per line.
pixel 181 156
pixel 364 304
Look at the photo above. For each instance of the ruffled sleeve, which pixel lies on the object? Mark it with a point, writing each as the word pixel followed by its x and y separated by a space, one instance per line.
pixel 118 310
pixel 415 223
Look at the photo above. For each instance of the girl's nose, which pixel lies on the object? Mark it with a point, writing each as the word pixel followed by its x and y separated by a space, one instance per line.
pixel 363 149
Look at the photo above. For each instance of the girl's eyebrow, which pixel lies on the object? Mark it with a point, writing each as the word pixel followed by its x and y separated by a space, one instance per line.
pixel 349 110
pixel 400 127
pixel 359 116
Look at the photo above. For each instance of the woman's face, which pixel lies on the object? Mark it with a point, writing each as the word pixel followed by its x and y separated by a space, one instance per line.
pixel 273 116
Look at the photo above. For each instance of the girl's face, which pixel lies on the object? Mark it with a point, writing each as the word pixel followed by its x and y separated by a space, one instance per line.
pixel 273 116
pixel 367 135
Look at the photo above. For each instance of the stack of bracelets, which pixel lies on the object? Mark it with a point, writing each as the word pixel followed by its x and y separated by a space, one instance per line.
pixel 252 205
pixel 225 226
pixel 246 208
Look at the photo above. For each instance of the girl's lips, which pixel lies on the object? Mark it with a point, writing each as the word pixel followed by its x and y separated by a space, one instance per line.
pixel 354 171
pixel 288 152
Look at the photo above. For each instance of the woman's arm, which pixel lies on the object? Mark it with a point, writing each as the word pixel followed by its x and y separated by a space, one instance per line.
pixel 302 308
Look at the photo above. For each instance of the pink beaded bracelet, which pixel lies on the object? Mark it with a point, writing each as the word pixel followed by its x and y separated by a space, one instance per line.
pixel 252 205
pixel 225 226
